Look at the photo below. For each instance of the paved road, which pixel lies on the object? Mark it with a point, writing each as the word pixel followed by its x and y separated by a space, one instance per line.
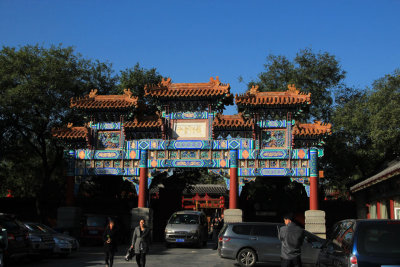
pixel 158 256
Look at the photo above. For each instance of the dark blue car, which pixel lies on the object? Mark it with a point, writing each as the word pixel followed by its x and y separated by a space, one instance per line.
pixel 362 243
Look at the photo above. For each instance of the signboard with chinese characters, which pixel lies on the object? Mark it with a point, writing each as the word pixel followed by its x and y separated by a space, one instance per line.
pixel 190 130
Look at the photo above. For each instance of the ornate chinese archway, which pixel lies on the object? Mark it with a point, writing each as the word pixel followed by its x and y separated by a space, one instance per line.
pixel 188 131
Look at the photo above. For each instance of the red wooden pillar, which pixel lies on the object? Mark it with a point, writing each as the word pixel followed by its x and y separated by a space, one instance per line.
pixel 233 183
pixel 142 179
pixel 378 210
pixel 313 179
pixel 391 205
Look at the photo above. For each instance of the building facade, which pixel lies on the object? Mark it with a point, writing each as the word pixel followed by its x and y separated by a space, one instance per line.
pixel 378 197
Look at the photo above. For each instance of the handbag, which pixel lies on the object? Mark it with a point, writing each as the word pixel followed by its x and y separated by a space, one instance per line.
pixel 129 254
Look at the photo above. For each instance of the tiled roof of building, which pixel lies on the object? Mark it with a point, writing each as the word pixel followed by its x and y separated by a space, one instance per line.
pixel 232 121
pixel 145 122
pixel 94 101
pixel 389 172
pixel 167 89
pixel 310 129
pixel 206 189
pixel 71 132
pixel 256 98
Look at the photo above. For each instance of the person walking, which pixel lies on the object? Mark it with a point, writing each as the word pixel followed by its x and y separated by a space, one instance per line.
pixel 217 226
pixel 110 243
pixel 292 236
pixel 141 242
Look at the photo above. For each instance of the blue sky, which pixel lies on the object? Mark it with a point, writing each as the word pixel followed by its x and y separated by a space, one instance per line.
pixel 190 41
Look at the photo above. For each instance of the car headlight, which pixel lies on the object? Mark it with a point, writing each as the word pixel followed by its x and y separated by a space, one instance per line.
pixel 168 231
pixel 60 241
pixel 35 238
pixel 194 232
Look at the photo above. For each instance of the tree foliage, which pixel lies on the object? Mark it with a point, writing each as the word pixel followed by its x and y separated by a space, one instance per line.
pixel 137 78
pixel 317 73
pixel 36 85
pixel 366 131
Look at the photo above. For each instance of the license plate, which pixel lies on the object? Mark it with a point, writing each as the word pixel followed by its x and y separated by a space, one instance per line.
pixel 93 232
pixel 180 240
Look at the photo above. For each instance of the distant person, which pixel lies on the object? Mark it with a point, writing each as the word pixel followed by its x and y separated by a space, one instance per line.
pixel 291 235
pixel 110 242
pixel 217 226
pixel 141 243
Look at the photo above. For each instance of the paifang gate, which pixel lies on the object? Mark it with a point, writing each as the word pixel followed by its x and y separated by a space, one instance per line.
pixel 188 130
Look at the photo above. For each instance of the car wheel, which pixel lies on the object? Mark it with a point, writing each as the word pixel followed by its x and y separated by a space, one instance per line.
pixel 247 257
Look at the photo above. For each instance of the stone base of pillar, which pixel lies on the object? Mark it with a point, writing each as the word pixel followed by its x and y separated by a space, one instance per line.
pixel 69 220
pixel 315 222
pixel 142 213
pixel 233 215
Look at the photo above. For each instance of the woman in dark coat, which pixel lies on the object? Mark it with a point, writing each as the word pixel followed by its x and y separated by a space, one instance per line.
pixel 110 243
pixel 140 243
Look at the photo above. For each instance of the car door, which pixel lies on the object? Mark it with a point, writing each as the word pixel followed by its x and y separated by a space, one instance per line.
pixel 266 242
pixel 334 252
pixel 328 256
pixel 310 248
pixel 325 257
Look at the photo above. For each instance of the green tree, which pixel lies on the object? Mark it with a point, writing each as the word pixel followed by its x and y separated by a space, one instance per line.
pixel 317 73
pixel 36 85
pixel 137 78
pixel 384 107
pixel 365 132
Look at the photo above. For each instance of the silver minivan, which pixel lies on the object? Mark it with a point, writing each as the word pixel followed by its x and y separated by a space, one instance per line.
pixel 187 227
pixel 253 242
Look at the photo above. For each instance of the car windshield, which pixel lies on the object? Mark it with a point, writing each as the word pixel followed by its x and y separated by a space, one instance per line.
pixel 184 219
pixel 96 221
pixel 222 232
pixel 43 228
pixel 379 239
pixel 47 229
pixel 32 227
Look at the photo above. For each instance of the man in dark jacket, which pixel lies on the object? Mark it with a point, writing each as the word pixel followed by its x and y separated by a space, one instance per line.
pixel 291 236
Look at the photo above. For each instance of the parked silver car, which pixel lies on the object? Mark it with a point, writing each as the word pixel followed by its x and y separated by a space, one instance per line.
pixel 187 227
pixel 64 244
pixel 41 243
pixel 250 243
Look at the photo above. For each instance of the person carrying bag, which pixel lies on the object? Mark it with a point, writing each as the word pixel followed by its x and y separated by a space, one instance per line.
pixel 140 243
